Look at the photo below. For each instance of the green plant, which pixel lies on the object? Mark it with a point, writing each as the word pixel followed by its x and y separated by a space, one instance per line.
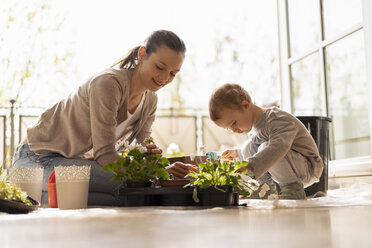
pixel 214 173
pixel 13 193
pixel 137 164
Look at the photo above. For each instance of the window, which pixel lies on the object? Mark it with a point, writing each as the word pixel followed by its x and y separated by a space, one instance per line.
pixel 323 69
pixel 306 86
pixel 347 96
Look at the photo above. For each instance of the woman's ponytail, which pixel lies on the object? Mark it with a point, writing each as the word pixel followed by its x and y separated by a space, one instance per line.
pixel 130 60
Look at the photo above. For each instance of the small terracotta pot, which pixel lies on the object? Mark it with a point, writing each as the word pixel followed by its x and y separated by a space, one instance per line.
pixel 52 195
pixel 187 159
pixel 174 182
pixel 52 191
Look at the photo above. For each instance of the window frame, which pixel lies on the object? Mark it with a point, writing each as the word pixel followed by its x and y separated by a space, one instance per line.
pixel 339 167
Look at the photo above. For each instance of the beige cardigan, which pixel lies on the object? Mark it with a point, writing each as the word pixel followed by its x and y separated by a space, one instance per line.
pixel 88 118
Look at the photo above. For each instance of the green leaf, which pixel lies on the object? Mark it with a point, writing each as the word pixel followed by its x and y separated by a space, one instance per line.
pixel 116 178
pixel 195 195
pixel 138 166
pixel 239 165
pixel 164 161
pixel 149 140
pixel 108 166
pixel 135 153
pixel 13 192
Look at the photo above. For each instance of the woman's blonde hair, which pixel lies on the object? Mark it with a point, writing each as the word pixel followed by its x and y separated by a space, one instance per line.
pixel 228 96
pixel 152 43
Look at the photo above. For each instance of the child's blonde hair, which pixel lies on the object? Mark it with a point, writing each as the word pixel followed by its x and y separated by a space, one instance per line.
pixel 227 96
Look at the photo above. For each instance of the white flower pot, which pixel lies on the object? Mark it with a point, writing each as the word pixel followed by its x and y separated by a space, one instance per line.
pixel 29 180
pixel 72 183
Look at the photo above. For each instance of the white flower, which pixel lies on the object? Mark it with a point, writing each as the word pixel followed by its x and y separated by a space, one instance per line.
pixel 203 150
pixel 263 191
pixel 24 195
pixel 140 147
pixel 173 148
pixel 192 157
pixel 273 197
pixel 254 184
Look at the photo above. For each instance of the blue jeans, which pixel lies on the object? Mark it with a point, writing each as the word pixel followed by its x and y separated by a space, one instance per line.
pixel 101 190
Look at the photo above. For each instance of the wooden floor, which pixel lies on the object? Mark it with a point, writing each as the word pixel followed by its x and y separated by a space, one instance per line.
pixel 341 219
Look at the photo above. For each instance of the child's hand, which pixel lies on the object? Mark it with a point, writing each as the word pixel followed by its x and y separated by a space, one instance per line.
pixel 229 155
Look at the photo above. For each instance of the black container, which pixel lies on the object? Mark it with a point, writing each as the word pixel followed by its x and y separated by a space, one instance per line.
pixel 214 197
pixel 318 127
pixel 236 199
pixel 132 200
pixel 135 199
pixel 177 196
pixel 14 207
pixel 174 199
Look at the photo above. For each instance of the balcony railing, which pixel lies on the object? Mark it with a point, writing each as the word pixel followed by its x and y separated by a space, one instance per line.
pixel 187 129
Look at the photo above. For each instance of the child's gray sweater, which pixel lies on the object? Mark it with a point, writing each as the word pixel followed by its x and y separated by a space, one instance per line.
pixel 282 132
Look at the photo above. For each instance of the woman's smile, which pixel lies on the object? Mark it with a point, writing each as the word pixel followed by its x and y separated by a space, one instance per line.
pixel 158 83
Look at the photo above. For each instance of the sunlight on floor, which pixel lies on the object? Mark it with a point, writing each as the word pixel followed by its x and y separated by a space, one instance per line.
pixel 357 194
pixel 341 219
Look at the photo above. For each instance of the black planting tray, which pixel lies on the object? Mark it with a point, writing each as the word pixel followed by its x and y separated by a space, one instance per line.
pixel 178 196
pixel 14 207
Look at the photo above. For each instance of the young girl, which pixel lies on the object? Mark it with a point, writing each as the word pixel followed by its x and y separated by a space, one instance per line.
pixel 278 143
pixel 112 106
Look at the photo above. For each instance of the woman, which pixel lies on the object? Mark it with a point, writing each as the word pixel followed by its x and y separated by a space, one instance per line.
pixel 112 106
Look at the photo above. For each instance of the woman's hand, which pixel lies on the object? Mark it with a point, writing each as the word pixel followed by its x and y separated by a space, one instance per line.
pixel 229 155
pixel 179 170
pixel 154 148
